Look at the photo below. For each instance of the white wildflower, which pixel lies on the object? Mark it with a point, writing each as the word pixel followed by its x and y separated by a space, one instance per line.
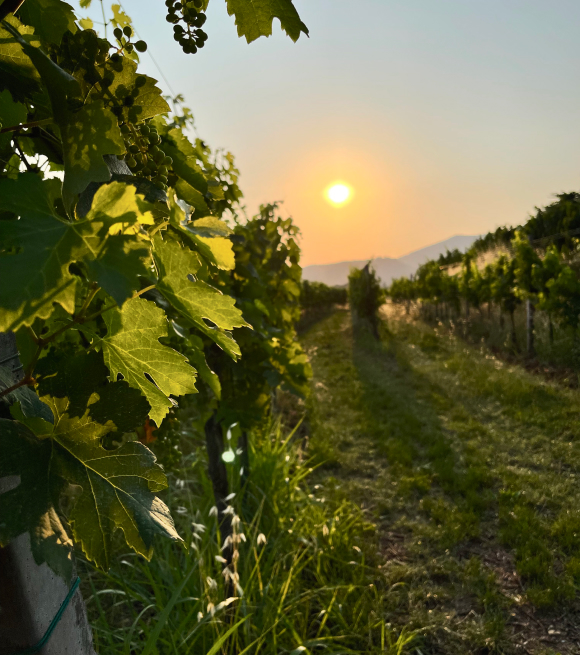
pixel 198 527
pixel 261 539
pixel 235 521
pixel 358 550
pixel 235 555
pixel 220 559
pixel 242 537
pixel 211 583
pixel 229 510
pixel 231 496
pixel 225 603
pixel 211 608
pixel 213 511
pixel 239 589
pixel 325 530
pixel 227 543
pixel 199 616
pixel 181 510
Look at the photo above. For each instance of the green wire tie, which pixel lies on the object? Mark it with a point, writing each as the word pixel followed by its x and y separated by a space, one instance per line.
pixel 53 624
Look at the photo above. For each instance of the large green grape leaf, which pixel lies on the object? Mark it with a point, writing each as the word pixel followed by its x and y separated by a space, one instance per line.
pixel 50 18
pixel 131 348
pixel 118 486
pixel 254 18
pixel 47 245
pixel 17 72
pixel 195 300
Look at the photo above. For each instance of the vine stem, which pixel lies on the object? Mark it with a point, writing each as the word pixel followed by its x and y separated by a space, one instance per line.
pixel 26 380
pixel 9 7
pixel 24 126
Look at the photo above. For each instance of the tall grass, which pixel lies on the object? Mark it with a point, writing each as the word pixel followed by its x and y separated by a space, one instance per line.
pixel 303 579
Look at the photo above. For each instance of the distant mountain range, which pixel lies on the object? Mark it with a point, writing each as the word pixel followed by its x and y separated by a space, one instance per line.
pixel 387 268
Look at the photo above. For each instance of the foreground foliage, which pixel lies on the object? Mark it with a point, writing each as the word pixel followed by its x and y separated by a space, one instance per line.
pixel 119 279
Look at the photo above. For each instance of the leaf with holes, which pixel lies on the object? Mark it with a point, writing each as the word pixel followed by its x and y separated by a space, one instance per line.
pixel 118 486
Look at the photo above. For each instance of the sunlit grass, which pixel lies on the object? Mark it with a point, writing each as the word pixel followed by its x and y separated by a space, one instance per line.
pixel 303 579
pixel 469 466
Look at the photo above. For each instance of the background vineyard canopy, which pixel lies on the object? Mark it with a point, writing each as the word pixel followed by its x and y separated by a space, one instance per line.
pixel 122 284
pixel 537 262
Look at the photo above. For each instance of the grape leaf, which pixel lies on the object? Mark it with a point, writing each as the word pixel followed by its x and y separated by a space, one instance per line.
pixel 196 300
pixel 120 18
pixel 50 18
pixel 210 227
pixel 118 486
pixel 197 357
pixel 192 197
pixel 31 505
pixel 48 245
pixel 148 100
pixel 206 235
pixel 78 377
pixel 178 147
pixel 30 404
pixel 131 348
pixel 254 18
pixel 210 235
pixel 11 113
pixel 86 135
pixel 17 72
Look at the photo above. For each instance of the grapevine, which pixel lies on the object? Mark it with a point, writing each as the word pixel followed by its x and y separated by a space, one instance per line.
pixel 120 275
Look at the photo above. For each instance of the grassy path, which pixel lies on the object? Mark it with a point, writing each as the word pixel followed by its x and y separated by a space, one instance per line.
pixel 469 468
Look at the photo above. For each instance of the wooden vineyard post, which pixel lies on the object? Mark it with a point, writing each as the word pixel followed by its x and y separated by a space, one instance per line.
pixel 31 595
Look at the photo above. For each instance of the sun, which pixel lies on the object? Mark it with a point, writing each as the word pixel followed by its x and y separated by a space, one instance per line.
pixel 338 194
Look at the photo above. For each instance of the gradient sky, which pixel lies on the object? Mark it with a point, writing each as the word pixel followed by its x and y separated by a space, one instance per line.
pixel 447 117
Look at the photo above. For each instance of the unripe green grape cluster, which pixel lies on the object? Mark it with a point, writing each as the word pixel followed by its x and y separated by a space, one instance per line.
pixel 189 35
pixel 123 37
pixel 144 156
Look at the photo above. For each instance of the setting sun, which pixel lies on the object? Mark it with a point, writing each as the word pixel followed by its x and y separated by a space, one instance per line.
pixel 338 194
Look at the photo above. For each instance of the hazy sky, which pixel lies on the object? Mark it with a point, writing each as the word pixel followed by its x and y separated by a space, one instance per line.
pixel 446 117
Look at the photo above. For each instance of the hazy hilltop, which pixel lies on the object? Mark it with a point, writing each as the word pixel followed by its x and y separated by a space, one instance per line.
pixel 387 268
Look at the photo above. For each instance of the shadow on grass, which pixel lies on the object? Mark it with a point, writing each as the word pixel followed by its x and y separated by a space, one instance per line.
pixel 402 419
